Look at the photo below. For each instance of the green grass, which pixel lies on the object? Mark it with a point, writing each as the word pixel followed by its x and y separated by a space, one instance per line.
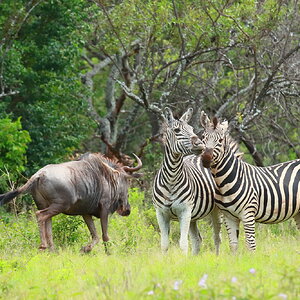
pixel 70 275
pixel 137 270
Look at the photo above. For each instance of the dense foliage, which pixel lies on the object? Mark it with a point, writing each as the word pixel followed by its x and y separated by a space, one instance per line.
pixel 96 75
pixel 41 46
pixel 13 145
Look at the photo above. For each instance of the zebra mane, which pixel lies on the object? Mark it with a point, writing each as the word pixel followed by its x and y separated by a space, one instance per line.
pixel 234 146
pixel 162 132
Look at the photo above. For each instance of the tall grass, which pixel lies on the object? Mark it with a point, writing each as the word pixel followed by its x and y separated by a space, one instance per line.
pixel 136 269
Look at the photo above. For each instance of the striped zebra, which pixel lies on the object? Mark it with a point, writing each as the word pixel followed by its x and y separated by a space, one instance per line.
pixel 183 190
pixel 245 192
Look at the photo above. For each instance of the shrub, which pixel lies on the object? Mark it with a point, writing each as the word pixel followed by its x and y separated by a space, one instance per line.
pixel 13 145
pixel 137 229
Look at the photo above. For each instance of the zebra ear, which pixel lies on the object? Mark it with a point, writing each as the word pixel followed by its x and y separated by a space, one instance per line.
pixel 168 116
pixel 187 115
pixel 204 119
pixel 224 126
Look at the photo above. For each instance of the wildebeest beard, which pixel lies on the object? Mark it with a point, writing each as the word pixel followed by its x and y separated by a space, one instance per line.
pixel 122 209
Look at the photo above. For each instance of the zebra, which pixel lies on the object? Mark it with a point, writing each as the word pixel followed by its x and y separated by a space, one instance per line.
pixel 183 190
pixel 247 193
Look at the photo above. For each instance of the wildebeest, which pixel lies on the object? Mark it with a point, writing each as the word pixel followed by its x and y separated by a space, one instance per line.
pixel 93 185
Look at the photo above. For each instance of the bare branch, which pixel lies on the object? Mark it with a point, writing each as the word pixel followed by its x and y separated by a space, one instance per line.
pixel 10 93
pixel 150 107
pixel 234 98
pixel 182 51
pixel 267 84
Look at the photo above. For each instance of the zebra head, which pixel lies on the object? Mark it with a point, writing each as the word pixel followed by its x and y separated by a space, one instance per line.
pixel 179 135
pixel 213 138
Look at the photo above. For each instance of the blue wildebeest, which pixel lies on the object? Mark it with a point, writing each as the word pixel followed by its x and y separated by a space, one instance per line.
pixel 90 186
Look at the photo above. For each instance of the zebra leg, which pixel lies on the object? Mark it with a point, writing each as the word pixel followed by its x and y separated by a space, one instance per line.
pixel 232 227
pixel 184 221
pixel 164 226
pixel 297 219
pixel 249 228
pixel 196 238
pixel 216 218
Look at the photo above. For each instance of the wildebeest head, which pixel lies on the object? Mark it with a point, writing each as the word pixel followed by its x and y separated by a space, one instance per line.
pixel 122 206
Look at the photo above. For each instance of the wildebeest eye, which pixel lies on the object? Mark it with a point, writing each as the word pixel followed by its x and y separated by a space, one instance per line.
pixel 176 130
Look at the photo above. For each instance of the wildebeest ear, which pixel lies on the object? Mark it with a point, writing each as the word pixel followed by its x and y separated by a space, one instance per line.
pixel 204 119
pixel 187 115
pixel 168 116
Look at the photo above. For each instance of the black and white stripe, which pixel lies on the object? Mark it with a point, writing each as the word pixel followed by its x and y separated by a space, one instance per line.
pixel 248 193
pixel 183 190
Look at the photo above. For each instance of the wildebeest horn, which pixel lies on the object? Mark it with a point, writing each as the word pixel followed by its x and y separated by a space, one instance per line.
pixel 133 169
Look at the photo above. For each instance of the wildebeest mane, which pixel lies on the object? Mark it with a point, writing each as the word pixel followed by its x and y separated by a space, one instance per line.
pixel 98 161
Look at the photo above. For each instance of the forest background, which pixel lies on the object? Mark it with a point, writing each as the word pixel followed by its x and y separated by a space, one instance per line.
pixel 83 75
pixel 78 75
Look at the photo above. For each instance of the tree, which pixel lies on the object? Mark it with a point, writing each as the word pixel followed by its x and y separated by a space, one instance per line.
pixel 120 63
pixel 41 45
pixel 230 58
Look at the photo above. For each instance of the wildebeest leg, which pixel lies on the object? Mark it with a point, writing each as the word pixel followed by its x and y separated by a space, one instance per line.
pixel 104 225
pixel 49 237
pixel 95 239
pixel 42 230
pixel 43 216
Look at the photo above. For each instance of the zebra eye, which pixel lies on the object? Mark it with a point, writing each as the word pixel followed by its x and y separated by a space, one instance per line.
pixel 176 130
pixel 220 140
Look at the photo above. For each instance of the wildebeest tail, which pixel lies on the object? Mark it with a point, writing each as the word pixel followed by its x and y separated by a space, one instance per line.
pixel 5 198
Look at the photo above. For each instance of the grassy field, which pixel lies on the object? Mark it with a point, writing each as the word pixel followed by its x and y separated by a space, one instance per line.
pixel 136 269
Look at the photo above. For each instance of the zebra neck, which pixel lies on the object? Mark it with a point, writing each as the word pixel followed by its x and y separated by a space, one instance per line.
pixel 225 170
pixel 172 166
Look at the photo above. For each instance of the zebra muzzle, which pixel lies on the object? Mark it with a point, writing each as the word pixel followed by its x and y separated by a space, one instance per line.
pixel 197 144
pixel 207 157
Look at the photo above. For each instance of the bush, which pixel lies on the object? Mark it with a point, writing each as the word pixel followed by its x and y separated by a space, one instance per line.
pixel 18 232
pixel 13 145
pixel 67 230
pixel 129 233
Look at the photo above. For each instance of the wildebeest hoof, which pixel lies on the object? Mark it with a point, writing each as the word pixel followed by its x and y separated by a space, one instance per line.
pixel 86 249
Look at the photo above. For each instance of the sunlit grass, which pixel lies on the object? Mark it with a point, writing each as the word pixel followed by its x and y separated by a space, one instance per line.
pixel 136 269
pixel 142 272
pixel 271 273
